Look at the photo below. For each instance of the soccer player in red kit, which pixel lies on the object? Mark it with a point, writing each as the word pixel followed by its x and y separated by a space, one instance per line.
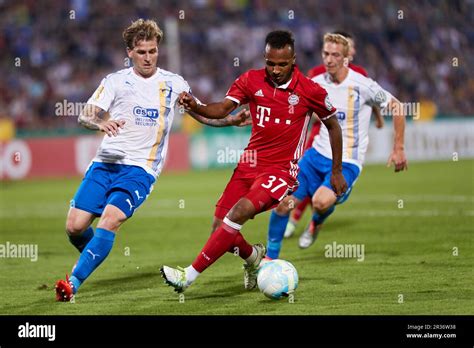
pixel 281 101
pixel 297 213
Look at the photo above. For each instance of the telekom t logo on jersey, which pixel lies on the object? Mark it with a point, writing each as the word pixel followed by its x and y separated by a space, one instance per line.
pixel 263 115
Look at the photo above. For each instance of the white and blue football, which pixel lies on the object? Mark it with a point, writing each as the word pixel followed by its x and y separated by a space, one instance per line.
pixel 277 279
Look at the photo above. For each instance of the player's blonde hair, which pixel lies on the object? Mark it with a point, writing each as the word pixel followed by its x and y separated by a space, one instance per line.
pixel 142 30
pixel 338 39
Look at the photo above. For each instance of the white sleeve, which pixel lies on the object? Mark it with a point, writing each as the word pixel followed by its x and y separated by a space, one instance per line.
pixel 377 96
pixel 103 95
pixel 184 87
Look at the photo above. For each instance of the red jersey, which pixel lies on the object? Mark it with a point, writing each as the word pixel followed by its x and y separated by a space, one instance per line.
pixel 321 69
pixel 280 115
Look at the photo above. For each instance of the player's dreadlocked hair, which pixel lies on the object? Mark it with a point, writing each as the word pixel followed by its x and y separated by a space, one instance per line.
pixel 279 39
pixel 142 30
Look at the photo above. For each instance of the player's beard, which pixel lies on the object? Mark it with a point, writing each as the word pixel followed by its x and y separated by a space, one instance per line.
pixel 282 80
pixel 287 77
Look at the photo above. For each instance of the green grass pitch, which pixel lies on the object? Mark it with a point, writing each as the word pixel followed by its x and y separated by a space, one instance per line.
pixel 416 228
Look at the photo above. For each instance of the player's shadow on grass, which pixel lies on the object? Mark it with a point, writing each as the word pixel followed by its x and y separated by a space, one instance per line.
pixel 133 282
pixel 325 280
pixel 127 283
pixel 235 287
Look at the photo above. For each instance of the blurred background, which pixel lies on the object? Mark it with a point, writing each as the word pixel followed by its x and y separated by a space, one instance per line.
pixel 55 51
pixel 417 226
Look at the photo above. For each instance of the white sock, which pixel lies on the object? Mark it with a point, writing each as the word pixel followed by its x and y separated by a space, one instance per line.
pixel 251 259
pixel 191 274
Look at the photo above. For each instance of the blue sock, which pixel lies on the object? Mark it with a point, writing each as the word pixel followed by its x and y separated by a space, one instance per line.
pixel 80 241
pixel 319 218
pixel 276 230
pixel 92 256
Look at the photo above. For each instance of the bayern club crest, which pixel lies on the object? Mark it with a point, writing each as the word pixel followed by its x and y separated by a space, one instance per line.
pixel 293 99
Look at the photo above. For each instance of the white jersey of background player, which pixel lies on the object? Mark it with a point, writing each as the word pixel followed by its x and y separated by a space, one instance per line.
pixel 353 98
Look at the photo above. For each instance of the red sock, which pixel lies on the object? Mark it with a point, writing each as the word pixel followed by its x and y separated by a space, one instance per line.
pixel 241 246
pixel 299 210
pixel 218 243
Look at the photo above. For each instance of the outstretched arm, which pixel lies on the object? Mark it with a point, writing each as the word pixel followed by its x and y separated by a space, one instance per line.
pixel 91 118
pixel 338 182
pixel 213 110
pixel 397 157
pixel 241 119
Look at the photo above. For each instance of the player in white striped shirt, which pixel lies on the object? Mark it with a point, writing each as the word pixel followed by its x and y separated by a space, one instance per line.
pixel 141 102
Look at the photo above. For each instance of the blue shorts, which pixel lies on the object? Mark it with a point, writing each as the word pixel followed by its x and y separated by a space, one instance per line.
pixel 315 171
pixel 120 185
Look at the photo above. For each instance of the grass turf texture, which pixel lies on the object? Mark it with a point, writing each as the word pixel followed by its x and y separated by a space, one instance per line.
pixel 408 251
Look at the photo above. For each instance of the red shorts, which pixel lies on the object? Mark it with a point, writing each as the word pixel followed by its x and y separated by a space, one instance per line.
pixel 264 187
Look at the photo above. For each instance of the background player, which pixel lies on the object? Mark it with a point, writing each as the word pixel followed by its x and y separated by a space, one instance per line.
pixel 353 95
pixel 281 101
pixel 140 101
pixel 297 213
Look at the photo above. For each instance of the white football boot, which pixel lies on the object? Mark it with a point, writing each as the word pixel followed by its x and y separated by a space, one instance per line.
pixel 290 229
pixel 251 270
pixel 175 277
pixel 309 235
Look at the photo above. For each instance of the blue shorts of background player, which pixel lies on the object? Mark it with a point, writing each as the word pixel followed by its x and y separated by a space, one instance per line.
pixel 113 192
pixel 315 172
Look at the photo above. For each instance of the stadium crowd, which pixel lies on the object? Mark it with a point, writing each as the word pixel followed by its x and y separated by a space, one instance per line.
pixel 55 51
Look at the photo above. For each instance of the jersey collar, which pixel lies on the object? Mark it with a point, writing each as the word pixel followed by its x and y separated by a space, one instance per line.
pixel 285 86
pixel 328 79
pixel 151 78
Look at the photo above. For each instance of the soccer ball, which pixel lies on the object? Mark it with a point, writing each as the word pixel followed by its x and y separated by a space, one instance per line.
pixel 277 279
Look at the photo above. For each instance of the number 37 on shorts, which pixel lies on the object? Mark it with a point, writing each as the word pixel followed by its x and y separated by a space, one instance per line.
pixel 278 187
